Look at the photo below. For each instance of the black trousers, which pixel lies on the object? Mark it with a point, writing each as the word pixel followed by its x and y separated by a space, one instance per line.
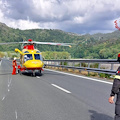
pixel 117 112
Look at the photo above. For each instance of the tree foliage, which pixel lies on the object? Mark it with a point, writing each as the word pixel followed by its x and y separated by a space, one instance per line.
pixel 97 46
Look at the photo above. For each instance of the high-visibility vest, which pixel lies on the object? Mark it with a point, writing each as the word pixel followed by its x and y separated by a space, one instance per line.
pixel 117 77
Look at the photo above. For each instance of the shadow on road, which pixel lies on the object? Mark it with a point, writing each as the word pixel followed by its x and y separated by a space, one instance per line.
pixel 31 74
pixel 99 116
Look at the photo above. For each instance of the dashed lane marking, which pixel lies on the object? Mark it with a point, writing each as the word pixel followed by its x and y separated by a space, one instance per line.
pixel 8 90
pixel 3 98
pixel 9 82
pixel 37 77
pixel 61 88
pixel 16 116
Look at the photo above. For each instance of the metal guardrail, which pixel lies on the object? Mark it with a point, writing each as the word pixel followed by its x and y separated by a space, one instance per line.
pixel 61 63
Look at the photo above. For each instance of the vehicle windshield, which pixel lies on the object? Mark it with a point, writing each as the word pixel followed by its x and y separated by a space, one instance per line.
pixel 28 57
pixel 38 57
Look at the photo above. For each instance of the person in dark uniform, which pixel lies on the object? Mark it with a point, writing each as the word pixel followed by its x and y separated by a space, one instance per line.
pixel 116 91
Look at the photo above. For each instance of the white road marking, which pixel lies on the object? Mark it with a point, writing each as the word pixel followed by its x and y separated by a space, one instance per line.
pixel 16 114
pixel 81 77
pixel 37 76
pixel 3 98
pixel 8 90
pixel 61 88
pixel 9 82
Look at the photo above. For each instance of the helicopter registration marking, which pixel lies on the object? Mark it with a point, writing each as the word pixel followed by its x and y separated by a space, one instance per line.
pixel 34 62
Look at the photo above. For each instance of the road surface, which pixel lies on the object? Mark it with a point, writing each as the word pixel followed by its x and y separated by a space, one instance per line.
pixel 52 96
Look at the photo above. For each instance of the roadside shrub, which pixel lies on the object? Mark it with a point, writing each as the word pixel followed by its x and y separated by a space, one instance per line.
pixel 103 75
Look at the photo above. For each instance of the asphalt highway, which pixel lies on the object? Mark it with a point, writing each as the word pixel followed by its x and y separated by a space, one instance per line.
pixel 52 96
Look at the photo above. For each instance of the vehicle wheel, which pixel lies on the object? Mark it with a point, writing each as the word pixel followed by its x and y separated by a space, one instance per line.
pixel 18 71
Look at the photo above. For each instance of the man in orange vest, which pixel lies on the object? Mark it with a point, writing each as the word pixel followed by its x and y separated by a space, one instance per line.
pixel 14 64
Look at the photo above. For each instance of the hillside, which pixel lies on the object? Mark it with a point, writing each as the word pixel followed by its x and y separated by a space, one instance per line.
pixel 99 45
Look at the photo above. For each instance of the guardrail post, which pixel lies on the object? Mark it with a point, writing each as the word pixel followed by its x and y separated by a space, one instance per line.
pixel 58 64
pixel 73 65
pixel 99 65
pixel 67 65
pixel 99 68
pixel 51 64
pixel 62 64
pixel 55 64
pixel 80 66
pixel 88 67
pixel 112 66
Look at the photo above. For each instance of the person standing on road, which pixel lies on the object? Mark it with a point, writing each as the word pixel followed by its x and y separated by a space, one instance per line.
pixel 116 91
pixel 14 64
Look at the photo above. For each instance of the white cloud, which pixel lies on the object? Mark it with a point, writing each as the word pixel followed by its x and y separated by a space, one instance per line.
pixel 69 15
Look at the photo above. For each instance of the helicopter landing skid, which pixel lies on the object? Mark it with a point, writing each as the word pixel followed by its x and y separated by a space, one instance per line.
pixel 33 72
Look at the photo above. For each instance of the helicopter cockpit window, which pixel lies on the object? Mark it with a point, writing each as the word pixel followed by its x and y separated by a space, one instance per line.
pixel 38 57
pixel 27 57
pixel 26 52
pixel 38 52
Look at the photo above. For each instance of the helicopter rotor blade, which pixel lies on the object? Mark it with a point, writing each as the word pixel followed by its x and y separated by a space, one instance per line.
pixel 43 43
pixel 9 43
pixel 51 43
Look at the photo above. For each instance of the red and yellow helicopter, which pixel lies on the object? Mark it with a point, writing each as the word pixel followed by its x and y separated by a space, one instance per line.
pixel 31 58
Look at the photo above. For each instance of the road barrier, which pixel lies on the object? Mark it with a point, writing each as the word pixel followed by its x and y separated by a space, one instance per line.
pixel 93 65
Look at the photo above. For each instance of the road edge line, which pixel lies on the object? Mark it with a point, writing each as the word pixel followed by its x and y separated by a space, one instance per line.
pixel 92 79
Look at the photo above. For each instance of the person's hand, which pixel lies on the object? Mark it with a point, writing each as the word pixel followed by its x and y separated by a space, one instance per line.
pixel 111 98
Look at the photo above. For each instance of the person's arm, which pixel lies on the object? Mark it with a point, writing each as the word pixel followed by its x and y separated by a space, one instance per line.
pixel 115 90
pixel 115 87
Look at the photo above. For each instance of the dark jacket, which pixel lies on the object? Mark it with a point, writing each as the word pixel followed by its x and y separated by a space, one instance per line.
pixel 116 87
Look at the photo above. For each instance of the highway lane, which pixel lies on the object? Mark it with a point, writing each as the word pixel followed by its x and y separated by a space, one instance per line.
pixel 44 97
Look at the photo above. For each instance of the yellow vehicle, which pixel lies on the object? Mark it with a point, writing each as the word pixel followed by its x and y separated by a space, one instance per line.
pixel 31 58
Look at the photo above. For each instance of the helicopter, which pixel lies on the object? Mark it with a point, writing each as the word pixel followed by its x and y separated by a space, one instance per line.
pixel 31 58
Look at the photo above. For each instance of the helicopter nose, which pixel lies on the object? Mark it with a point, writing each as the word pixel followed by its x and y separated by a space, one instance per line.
pixel 33 64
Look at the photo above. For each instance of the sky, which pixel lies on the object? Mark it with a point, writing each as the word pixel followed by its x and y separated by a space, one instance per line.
pixel 76 16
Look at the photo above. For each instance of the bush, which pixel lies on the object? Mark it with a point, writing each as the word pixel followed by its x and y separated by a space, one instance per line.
pixel 103 75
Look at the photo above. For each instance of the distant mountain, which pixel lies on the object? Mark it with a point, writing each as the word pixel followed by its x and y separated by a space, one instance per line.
pixel 88 46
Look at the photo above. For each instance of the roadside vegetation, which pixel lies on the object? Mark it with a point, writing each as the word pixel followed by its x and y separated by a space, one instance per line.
pixel 83 72
pixel 96 46
pixel 9 54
